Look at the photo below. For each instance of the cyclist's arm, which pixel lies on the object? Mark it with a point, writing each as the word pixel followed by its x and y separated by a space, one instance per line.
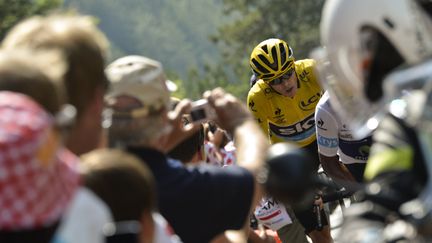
pixel 327 130
pixel 335 169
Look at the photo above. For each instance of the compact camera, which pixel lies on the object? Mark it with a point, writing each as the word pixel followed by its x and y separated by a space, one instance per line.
pixel 202 111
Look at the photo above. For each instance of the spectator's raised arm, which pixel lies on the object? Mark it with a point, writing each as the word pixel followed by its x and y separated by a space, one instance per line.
pixel 249 140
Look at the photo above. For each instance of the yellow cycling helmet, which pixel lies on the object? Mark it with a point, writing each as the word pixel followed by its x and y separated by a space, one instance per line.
pixel 271 58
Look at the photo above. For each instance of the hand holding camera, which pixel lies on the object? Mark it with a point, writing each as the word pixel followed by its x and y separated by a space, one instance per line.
pixel 201 111
pixel 230 111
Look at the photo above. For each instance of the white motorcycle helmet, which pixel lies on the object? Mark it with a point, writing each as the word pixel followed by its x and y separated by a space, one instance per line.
pixel 365 41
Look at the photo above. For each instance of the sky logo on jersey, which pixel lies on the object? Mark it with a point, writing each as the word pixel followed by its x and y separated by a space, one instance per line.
pixel 328 142
pixel 295 132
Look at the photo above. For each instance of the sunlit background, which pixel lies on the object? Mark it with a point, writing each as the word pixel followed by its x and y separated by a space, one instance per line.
pixel 202 44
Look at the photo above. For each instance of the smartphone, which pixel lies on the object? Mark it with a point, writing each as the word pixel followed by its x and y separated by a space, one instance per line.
pixel 202 111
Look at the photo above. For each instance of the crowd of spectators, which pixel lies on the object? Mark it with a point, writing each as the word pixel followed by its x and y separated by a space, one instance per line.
pixel 92 152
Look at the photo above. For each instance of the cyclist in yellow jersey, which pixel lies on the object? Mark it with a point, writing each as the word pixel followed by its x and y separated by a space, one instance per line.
pixel 283 102
pixel 286 111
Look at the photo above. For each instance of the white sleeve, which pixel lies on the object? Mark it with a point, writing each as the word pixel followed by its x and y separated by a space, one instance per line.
pixel 327 132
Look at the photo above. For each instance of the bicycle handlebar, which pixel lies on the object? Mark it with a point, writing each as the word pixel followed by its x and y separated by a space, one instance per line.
pixel 336 195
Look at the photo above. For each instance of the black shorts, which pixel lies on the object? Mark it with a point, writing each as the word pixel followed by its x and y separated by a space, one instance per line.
pixel 312 151
pixel 307 217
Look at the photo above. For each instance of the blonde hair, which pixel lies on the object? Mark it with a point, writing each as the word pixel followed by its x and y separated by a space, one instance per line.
pixel 80 41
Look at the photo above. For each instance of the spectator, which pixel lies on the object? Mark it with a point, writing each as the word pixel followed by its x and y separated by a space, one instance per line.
pixel 38 176
pixel 191 150
pixel 109 173
pixel 219 149
pixel 209 144
pixel 20 72
pixel 83 46
pixel 29 131
pixel 201 202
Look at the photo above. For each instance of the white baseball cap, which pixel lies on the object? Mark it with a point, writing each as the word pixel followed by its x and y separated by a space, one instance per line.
pixel 141 78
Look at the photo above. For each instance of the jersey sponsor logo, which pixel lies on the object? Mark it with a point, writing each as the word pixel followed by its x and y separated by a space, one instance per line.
pixel 277 111
pixel 252 106
pixel 346 136
pixel 280 120
pixel 357 149
pixel 279 117
pixel 295 132
pixel 320 124
pixel 328 142
pixel 310 103
pixel 304 76
pixel 346 133
pixel 345 128
pixel 364 150
pixel 270 204
pixel 272 214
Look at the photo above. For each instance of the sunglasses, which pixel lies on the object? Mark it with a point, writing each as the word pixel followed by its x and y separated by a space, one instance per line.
pixel 284 76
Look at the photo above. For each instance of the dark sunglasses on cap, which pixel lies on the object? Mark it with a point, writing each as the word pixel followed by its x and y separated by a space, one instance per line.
pixel 284 76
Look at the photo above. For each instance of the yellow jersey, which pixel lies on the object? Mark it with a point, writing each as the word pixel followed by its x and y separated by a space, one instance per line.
pixel 284 118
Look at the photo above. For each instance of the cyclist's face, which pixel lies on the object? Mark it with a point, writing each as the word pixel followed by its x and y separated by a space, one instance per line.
pixel 288 87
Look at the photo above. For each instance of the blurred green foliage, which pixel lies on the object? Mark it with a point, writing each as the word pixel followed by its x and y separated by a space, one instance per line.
pixel 176 33
pixel 202 44
pixel 12 11
pixel 295 21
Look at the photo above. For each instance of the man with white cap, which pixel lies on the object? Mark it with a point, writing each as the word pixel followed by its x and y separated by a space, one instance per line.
pixel 202 202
